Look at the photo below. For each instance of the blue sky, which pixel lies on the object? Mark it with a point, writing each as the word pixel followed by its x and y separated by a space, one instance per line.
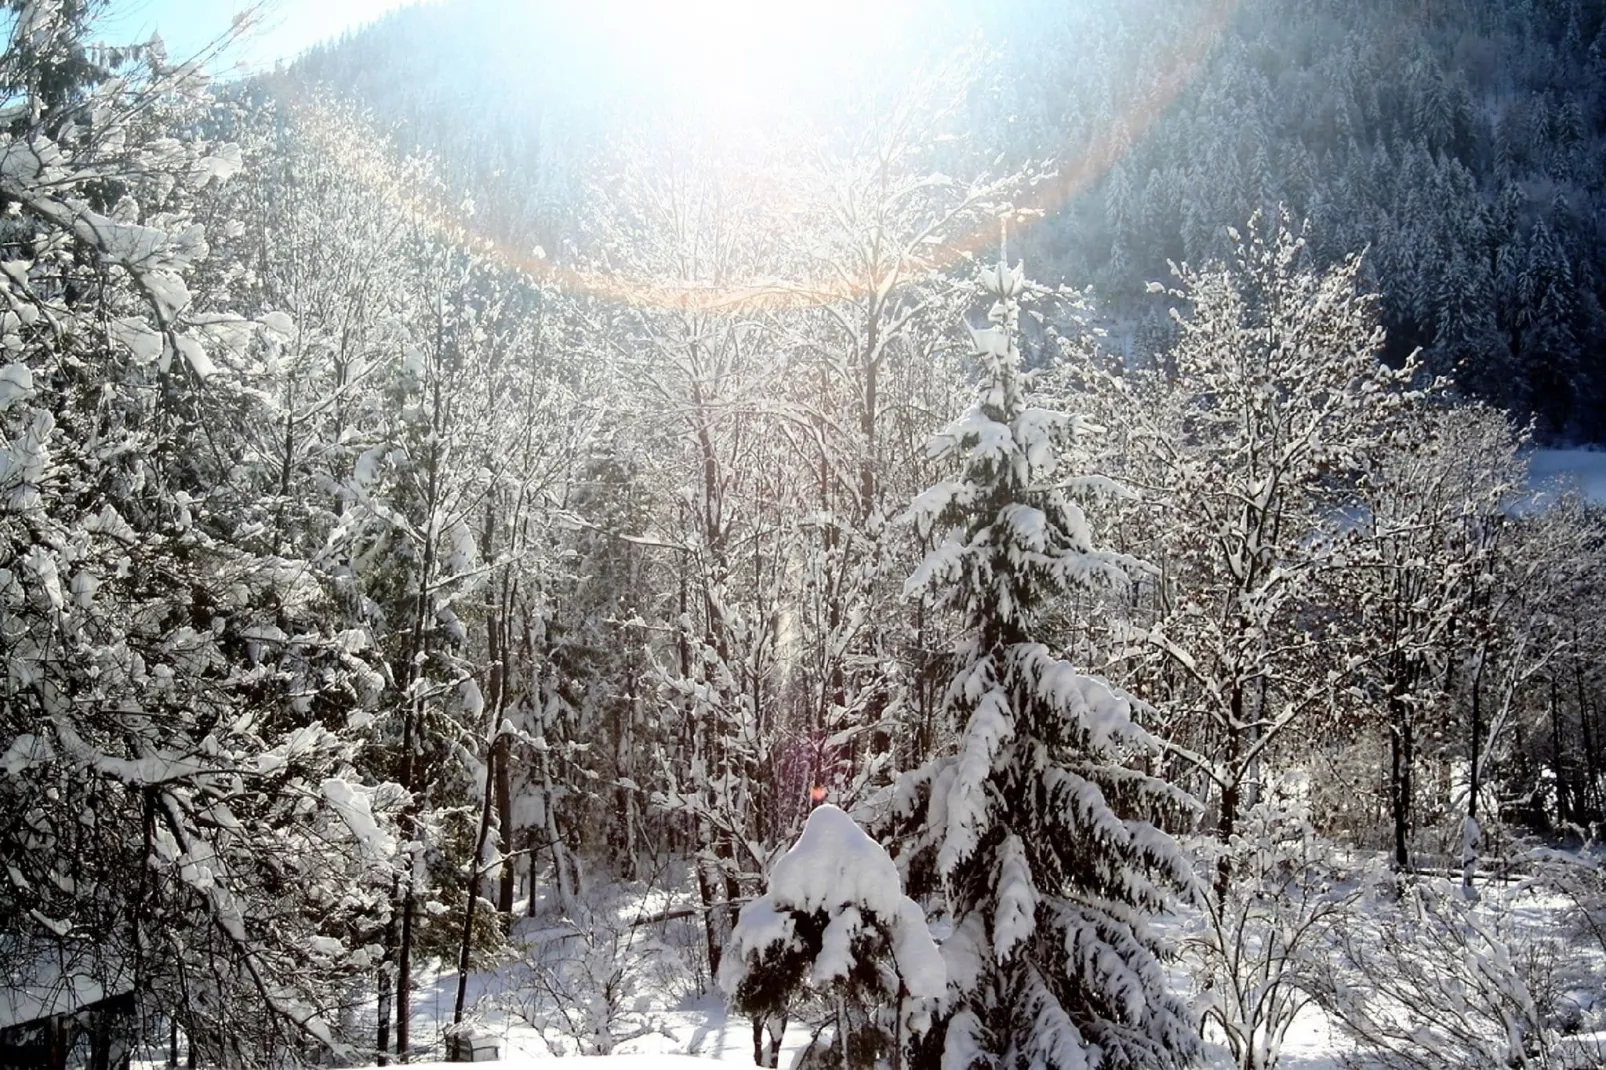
pixel 290 26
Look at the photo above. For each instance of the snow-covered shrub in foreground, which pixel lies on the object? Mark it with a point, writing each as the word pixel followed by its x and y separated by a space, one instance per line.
pixel 601 975
pixel 1260 945
pixel 1429 979
pixel 835 923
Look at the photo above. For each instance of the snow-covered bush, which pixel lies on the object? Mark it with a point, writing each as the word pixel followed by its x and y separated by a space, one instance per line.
pixel 835 924
pixel 584 979
pixel 1577 989
pixel 1422 979
pixel 1258 948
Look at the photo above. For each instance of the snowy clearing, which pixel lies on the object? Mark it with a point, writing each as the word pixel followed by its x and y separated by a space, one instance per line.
pixel 1580 469
pixel 660 1031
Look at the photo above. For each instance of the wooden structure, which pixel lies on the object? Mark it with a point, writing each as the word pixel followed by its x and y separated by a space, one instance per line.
pixel 472 1046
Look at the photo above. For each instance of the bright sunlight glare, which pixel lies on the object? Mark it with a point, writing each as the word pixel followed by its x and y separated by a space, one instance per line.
pixel 739 60
pixel 744 71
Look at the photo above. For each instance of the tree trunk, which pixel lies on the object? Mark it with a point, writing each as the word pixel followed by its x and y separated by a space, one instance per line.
pixel 623 761
pixel 842 1027
pixel 471 883
pixel 562 879
pixel 383 1040
pixel 1590 800
pixel 1471 834
pixel 404 970
pixel 410 826
pixel 705 893
pixel 499 654
pixel 1402 755
pixel 529 903
pixel 1226 826
pixel 59 1034
pixel 733 890
pixel 897 1025
pixel 867 414
pixel 1231 798
pixel 776 1026
pixel 1402 859
pixel 501 753
pixel 1565 810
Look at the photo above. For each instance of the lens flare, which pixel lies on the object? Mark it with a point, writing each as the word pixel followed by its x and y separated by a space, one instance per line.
pixel 717 50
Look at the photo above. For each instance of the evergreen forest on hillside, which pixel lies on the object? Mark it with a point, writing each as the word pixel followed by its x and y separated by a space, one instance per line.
pixel 979 536
pixel 1460 144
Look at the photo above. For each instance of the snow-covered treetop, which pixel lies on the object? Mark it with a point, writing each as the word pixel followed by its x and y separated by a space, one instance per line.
pixel 1012 532
pixel 834 865
pixel 836 870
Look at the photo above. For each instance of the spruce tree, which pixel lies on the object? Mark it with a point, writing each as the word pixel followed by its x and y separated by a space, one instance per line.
pixel 1039 826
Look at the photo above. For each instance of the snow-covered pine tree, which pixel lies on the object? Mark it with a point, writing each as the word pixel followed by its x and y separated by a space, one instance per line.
pixel 1039 826
pixel 835 922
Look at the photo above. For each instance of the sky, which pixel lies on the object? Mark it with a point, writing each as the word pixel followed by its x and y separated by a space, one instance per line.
pixel 289 26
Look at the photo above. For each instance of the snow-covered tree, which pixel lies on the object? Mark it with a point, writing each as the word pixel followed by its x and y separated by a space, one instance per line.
pixel 1040 827
pixel 180 714
pixel 1412 560
pixel 835 922
pixel 1246 445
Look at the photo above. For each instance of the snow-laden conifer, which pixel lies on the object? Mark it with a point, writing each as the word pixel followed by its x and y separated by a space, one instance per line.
pixel 1041 828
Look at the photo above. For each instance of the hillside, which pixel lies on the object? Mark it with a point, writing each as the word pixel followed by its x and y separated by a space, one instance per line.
pixel 1461 144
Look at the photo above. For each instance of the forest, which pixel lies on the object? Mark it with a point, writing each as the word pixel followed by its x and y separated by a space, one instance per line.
pixel 1004 539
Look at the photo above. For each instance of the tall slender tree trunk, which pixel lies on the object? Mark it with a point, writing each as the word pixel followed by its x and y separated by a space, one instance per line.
pixel 1231 797
pixel 1402 760
pixel 705 895
pixel 501 756
pixel 529 902
pixel 1591 790
pixel 404 968
pixel 624 755
pixel 1565 810
pixel 382 1041
pixel 1397 800
pixel 842 1027
pixel 869 403
pixel 1471 833
pixel 471 883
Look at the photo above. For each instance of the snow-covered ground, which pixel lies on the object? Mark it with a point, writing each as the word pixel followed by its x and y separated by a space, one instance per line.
pixel 701 1030
pixel 697 1029
pixel 1582 469
pixel 663 1023
pixel 598 1062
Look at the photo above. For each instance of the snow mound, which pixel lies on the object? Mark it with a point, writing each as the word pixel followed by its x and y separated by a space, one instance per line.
pixel 834 865
pixel 836 869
